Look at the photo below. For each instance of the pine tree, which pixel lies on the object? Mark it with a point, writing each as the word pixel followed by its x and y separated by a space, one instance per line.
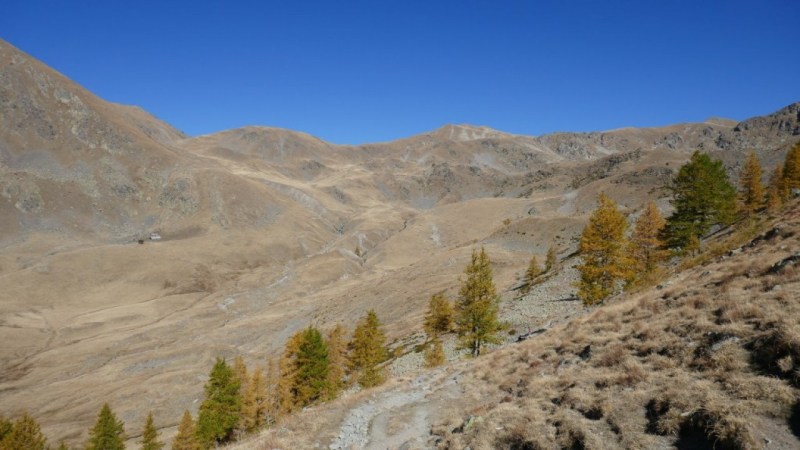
pixel 775 189
pixel 219 413
pixel 531 274
pixel 337 361
pixel 186 439
pixel 24 433
pixel 108 432
pixel 551 261
pixel 311 381
pixel 751 190
pixel 434 354
pixel 646 246
pixel 702 197
pixel 368 351
pixel 254 402
pixel 602 250
pixel 150 435
pixel 439 318
pixel 791 170
pixel 477 306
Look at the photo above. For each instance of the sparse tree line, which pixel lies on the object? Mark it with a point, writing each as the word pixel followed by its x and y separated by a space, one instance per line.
pixel 238 400
pixel 703 197
pixel 314 368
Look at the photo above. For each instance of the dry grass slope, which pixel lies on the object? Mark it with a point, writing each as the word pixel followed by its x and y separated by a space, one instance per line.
pixel 711 361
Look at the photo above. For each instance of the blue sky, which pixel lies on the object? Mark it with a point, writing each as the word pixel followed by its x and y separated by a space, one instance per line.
pixel 367 71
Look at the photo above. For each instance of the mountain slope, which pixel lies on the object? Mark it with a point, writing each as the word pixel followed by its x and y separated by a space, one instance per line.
pixel 260 228
pixel 709 358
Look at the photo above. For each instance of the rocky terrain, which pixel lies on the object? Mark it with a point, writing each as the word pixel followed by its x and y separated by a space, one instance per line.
pixel 260 229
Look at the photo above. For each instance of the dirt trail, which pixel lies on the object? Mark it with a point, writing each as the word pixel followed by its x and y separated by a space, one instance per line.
pixel 401 417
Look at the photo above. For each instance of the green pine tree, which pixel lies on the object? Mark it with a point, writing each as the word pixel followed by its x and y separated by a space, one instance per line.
pixel 477 306
pixel 23 434
pixel 702 197
pixel 368 351
pixel 311 379
pixel 186 439
pixel 108 432
pixel 150 439
pixel 219 412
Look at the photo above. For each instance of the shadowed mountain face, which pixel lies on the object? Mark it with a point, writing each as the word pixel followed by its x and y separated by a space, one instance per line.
pixel 260 228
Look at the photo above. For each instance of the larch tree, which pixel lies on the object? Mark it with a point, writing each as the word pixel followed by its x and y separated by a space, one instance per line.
pixel 368 351
pixel 254 402
pixel 477 306
pixel 219 413
pixel 5 427
pixel 702 197
pixel 531 274
pixel 337 361
pixel 434 353
pixel 439 317
pixel 186 439
pixel 602 249
pixel 273 409
pixel 775 189
pixel 551 261
pixel 150 439
pixel 108 432
pixel 751 189
pixel 23 433
pixel 646 245
pixel 287 369
pixel 240 371
pixel 791 170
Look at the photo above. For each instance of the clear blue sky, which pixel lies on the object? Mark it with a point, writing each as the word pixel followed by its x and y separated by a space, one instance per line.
pixel 376 70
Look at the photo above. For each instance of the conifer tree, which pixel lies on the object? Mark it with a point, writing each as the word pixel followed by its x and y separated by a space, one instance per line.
pixel 254 402
pixel 551 261
pixel 368 351
pixel 337 361
pixel 439 318
pixel 186 439
pixel 646 246
pixel 311 381
pixel 240 371
pixel 434 354
pixel 219 413
pixel 272 411
pixel 287 369
pixel 5 427
pixel 108 432
pixel 702 197
pixel 791 170
pixel 62 446
pixel 24 433
pixel 751 190
pixel 477 306
pixel 531 274
pixel 775 189
pixel 602 250
pixel 150 435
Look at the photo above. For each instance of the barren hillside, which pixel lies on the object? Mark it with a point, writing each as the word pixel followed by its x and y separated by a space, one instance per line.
pixel 260 228
pixel 709 358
